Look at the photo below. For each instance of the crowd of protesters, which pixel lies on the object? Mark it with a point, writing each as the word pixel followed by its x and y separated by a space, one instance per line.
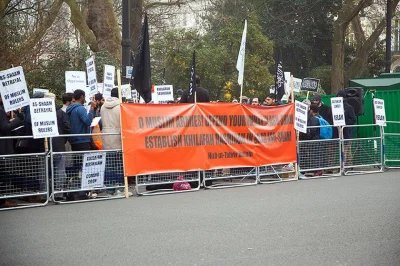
pixel 75 116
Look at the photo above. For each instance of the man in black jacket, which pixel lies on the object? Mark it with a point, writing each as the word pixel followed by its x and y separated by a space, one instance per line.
pixel 6 148
pixel 324 110
pixel 202 95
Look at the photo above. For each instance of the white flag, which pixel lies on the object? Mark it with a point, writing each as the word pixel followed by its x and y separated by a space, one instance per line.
pixel 242 53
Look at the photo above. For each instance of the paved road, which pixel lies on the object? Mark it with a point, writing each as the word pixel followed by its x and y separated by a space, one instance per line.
pixel 346 221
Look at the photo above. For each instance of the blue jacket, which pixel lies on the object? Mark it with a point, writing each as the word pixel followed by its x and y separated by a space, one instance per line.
pixel 80 122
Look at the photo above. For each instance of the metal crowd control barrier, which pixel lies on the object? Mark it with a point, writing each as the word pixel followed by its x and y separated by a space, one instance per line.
pixel 269 174
pixel 167 183
pixel 391 142
pixel 362 155
pixel 23 177
pixel 230 177
pixel 69 167
pixel 321 157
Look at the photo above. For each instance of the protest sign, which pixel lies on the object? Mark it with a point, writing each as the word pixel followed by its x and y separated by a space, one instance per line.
pixel 93 170
pixel 380 114
pixel 40 90
pixel 205 136
pixel 301 116
pixel 75 80
pixel 287 82
pixel 109 80
pixel 154 98
pixel 310 84
pixel 43 118
pixel 91 76
pixel 297 84
pixel 134 96
pixel 272 89
pixel 165 93
pixel 338 111
pixel 126 91
pixel 13 89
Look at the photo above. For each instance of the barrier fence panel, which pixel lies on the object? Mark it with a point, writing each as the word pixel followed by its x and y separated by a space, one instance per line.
pixel 391 140
pixel 167 183
pixel 362 155
pixel 230 177
pixel 23 178
pixel 87 175
pixel 321 157
pixel 277 173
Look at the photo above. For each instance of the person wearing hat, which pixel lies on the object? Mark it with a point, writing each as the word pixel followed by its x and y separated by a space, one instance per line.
pixel 323 110
pixel 348 132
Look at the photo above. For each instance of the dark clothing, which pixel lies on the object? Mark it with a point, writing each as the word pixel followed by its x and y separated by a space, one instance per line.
pixel 312 133
pixel 351 119
pixel 81 147
pixel 30 145
pixel 326 113
pixel 7 145
pixel 201 95
pixel 80 122
pixel 63 128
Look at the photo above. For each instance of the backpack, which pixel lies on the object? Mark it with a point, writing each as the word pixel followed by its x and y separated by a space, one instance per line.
pixel 324 132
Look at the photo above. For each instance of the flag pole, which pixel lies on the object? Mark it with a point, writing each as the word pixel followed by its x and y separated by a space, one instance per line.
pixel 122 137
pixel 241 93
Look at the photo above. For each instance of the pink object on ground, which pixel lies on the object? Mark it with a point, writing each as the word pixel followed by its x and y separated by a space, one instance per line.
pixel 179 186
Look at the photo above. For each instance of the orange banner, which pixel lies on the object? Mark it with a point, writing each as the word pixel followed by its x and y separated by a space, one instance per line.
pixel 186 137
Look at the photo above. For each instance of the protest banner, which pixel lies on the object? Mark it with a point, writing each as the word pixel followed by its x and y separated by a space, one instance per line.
pixel 380 113
pixel 40 90
pixel 165 93
pixel 310 84
pixel 75 80
pixel 338 111
pixel 187 137
pixel 301 116
pixel 91 76
pixel 43 118
pixel 13 89
pixel 109 80
pixel 94 165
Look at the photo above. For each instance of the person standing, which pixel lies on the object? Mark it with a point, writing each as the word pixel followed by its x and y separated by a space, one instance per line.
pixel 270 100
pixel 67 99
pixel 80 121
pixel 324 110
pixel 202 94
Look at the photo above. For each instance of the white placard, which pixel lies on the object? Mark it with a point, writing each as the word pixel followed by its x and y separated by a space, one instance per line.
pixel 301 116
pixel 93 168
pixel 287 82
pixel 75 80
pixel 40 90
pixel 95 121
pixel 129 72
pixel 43 118
pixel 13 89
pixel 165 93
pixel 126 91
pixel 380 114
pixel 297 84
pixel 134 95
pixel 108 81
pixel 272 89
pixel 91 76
pixel 338 111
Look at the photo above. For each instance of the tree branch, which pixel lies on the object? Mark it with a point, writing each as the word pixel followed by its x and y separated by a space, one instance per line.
pixel 80 23
pixel 359 34
pixel 351 11
pixel 36 36
pixel 158 4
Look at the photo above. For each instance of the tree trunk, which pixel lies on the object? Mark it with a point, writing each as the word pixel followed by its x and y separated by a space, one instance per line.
pixel 103 22
pixel 348 12
pixel 359 64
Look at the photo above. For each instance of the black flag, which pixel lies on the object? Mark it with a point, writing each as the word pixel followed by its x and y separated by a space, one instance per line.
pixel 163 78
pixel 141 74
pixel 279 79
pixel 192 84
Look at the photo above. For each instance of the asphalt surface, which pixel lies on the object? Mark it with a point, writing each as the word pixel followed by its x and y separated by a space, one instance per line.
pixel 353 220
